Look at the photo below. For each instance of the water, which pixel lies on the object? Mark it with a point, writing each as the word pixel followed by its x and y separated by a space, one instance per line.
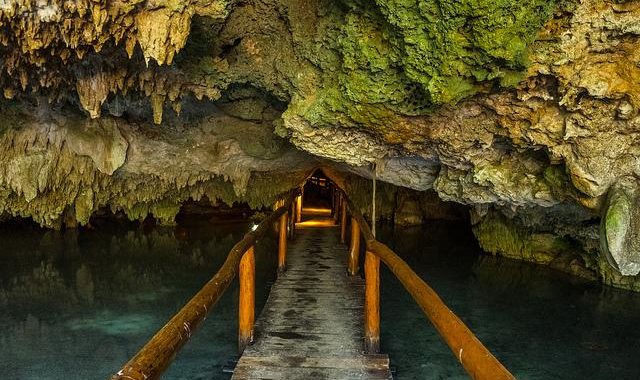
pixel 77 305
pixel 540 323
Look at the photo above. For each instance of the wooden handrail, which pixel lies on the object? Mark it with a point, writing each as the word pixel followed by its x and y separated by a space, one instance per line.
pixel 156 356
pixel 343 222
pixel 354 248
pixel 247 298
pixel 476 359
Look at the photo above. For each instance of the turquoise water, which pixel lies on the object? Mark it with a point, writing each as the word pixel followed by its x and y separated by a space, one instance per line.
pixel 540 323
pixel 77 305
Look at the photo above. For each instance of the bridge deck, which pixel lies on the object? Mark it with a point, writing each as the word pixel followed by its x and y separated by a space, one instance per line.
pixel 311 326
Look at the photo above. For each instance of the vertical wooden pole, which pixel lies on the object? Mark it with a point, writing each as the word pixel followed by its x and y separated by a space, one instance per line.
pixel 343 222
pixel 333 202
pixel 246 308
pixel 282 244
pixel 354 248
pixel 336 207
pixel 299 209
pixel 372 303
pixel 292 220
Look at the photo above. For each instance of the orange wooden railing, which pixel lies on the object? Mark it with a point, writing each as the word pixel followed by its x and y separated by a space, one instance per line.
pixel 470 352
pixel 156 356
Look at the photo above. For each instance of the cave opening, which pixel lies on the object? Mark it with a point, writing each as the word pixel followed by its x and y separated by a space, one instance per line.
pixel 318 192
pixel 140 141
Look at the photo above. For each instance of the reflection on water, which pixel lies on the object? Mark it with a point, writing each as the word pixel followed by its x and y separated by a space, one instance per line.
pixel 541 324
pixel 78 304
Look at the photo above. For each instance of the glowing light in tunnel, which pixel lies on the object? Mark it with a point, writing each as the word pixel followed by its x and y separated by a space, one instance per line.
pixel 316 223
pixel 316 211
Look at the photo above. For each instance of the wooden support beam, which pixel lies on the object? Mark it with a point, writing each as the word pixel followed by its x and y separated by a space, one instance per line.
pixel 156 355
pixel 372 303
pixel 246 304
pixel 334 200
pixel 476 359
pixel 343 222
pixel 299 208
pixel 292 221
pixel 354 248
pixel 282 244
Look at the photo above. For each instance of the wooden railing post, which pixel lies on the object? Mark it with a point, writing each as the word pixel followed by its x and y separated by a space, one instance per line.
pixel 157 354
pixel 354 248
pixel 372 303
pixel 282 244
pixel 343 222
pixel 299 208
pixel 246 305
pixel 333 197
pixel 292 221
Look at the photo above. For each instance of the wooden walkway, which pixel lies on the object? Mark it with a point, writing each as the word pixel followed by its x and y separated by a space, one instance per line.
pixel 312 324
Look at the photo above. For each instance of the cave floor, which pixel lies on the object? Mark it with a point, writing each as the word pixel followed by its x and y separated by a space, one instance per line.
pixel 311 326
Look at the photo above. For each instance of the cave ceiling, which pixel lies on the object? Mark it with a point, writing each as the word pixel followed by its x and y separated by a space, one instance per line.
pixel 139 104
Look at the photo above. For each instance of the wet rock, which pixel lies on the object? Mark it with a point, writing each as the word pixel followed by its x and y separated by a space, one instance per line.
pixel 408 212
pixel 620 227
pixel 533 115
pixel 53 165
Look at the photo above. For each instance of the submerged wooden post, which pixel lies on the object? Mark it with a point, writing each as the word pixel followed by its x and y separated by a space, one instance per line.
pixel 372 303
pixel 343 222
pixel 282 244
pixel 299 209
pixel 246 307
pixel 354 248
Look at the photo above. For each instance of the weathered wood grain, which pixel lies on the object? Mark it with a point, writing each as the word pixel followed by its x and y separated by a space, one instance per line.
pixel 158 353
pixel 312 324
pixel 476 359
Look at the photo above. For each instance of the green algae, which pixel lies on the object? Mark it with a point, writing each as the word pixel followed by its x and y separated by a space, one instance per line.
pixel 498 236
pixel 449 45
pixel 408 57
pixel 360 192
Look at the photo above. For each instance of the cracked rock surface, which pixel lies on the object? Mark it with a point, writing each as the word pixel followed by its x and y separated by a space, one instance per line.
pixel 525 112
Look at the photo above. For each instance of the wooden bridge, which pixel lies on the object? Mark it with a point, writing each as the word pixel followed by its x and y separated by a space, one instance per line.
pixel 321 320
pixel 311 326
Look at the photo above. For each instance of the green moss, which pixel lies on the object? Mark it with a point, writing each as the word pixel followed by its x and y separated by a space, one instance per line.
pixel 500 236
pixel 407 57
pixel 449 45
pixel 616 218
pixel 556 176
pixel 360 191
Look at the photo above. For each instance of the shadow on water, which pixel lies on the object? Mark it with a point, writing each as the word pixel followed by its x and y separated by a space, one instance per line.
pixel 78 304
pixel 540 323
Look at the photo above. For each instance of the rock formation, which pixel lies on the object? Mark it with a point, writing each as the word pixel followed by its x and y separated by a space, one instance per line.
pixel 525 112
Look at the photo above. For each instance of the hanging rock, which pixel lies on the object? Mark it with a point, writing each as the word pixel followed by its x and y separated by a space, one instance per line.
pixel 620 227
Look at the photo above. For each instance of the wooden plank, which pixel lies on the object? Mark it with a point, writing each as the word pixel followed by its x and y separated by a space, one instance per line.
pixel 373 363
pixel 158 353
pixel 297 373
pixel 312 324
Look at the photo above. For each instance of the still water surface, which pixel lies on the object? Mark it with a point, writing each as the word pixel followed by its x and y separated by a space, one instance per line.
pixel 540 323
pixel 77 305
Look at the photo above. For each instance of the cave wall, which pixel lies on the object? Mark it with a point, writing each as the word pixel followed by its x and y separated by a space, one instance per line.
pixel 526 113
pixel 400 205
pixel 59 168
